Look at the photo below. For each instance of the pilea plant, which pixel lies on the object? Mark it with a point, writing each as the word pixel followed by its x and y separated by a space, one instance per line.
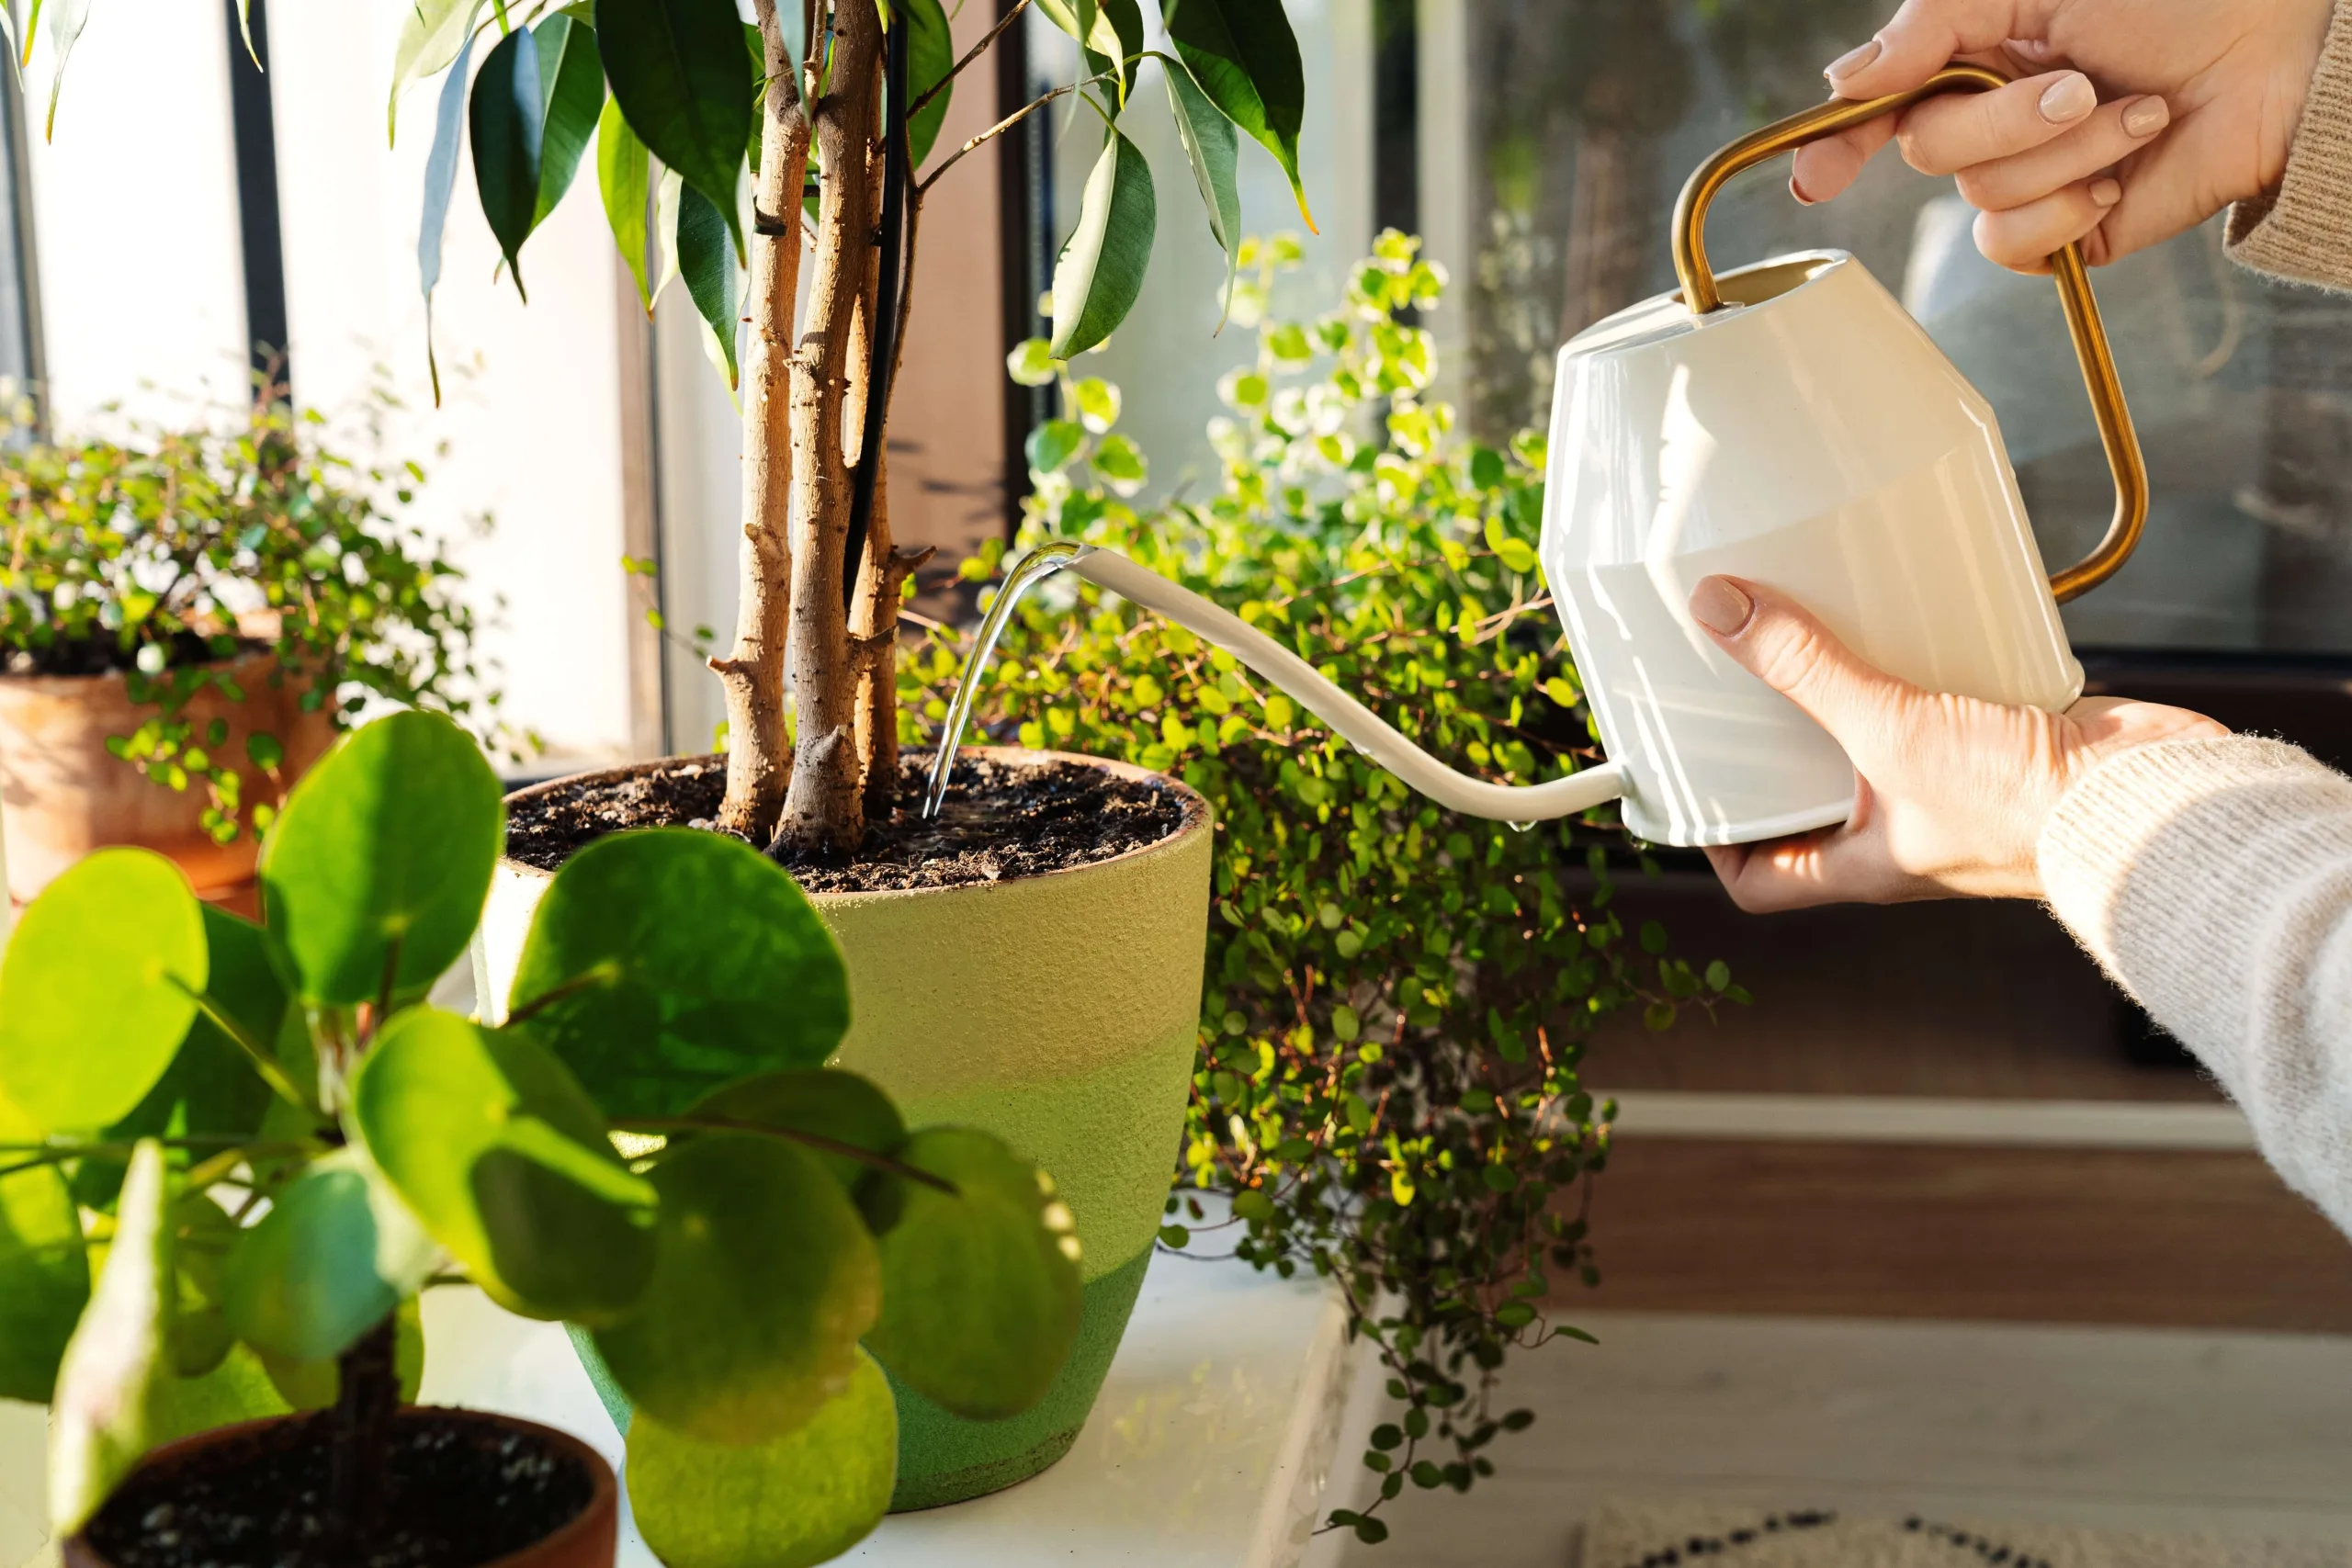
pixel 1398 1000
pixel 162 559
pixel 824 113
pixel 309 1144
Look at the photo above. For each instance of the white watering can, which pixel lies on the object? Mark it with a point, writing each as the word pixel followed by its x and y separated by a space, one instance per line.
pixel 1785 423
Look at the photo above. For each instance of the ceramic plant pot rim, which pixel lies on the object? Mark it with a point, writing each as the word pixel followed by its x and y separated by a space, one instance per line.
pixel 572 1545
pixel 1196 819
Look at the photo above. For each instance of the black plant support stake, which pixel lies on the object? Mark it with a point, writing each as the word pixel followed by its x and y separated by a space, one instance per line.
pixel 882 334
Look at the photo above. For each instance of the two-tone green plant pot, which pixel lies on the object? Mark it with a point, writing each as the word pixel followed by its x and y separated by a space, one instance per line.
pixel 1058 1012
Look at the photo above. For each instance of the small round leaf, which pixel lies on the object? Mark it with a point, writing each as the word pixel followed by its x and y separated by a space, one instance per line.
pixel 675 1005
pixel 501 1155
pixel 96 989
pixel 44 1273
pixel 335 1254
pixel 766 1278
pixel 792 1502
pixel 388 844
pixel 980 1290
pixel 823 1102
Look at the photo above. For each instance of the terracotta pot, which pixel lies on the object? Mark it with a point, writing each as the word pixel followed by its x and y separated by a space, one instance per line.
pixel 62 794
pixel 1061 1013
pixel 588 1541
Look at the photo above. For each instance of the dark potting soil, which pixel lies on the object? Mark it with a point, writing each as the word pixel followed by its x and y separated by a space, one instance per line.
pixel 1000 820
pixel 457 1493
pixel 106 656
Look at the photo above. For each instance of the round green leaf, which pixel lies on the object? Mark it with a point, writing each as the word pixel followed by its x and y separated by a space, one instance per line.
pixel 103 1417
pixel 500 1154
pixel 335 1255
pixel 679 71
pixel 677 1002
pixel 794 1501
pixel 96 989
pixel 388 845
pixel 1099 275
pixel 44 1273
pixel 766 1278
pixel 824 1101
pixel 980 1290
pixel 210 1091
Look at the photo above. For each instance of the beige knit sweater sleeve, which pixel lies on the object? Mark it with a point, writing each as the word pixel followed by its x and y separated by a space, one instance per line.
pixel 2303 230
pixel 2213 879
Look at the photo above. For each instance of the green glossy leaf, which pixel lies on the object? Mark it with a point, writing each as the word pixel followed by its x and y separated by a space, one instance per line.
pixel 706 261
pixel 210 1089
pixel 1245 57
pixel 571 88
pixel 71 16
pixel 382 859
pixel 432 34
pixel 1100 272
pixel 1101 36
pixel 1052 444
pixel 824 1101
pixel 980 1290
pixel 96 989
pixel 200 1336
pixel 1126 25
pixel 502 1157
pixel 792 1502
pixel 679 70
pixel 678 1006
pixel 767 1278
pixel 44 1274
pixel 1212 147
pixel 440 184
pixel 508 121
pixel 237 1389
pixel 931 57
pixel 624 172
pixel 103 1418
pixel 335 1255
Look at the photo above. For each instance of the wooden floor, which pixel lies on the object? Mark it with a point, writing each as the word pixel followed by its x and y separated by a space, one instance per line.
pixel 2152 1238
pixel 2157 1431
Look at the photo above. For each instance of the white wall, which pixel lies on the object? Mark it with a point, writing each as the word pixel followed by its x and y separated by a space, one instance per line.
pixel 136 218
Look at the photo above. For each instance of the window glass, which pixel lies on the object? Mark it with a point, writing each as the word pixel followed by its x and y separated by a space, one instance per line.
pixel 1580 119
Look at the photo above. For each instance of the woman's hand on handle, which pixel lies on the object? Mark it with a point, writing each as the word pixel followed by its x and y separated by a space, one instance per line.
pixel 2131 121
pixel 1950 793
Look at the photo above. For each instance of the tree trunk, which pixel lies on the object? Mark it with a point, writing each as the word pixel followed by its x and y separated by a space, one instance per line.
pixel 824 813
pixel 759 762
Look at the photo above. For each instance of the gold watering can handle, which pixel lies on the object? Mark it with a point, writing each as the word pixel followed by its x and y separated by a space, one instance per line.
pixel 2115 432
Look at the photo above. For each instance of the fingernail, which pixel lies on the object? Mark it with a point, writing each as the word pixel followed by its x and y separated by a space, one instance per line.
pixel 1853 60
pixel 1798 191
pixel 1719 605
pixel 2147 116
pixel 2068 99
pixel 2106 193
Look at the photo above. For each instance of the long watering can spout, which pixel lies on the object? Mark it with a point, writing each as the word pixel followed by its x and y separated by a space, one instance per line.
pixel 1371 734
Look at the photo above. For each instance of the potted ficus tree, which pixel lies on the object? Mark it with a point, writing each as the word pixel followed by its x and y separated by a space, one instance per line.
pixel 1030 961
pixel 186 617
pixel 277 1145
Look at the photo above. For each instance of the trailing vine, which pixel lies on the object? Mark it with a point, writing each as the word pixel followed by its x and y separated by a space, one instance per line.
pixel 1397 999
